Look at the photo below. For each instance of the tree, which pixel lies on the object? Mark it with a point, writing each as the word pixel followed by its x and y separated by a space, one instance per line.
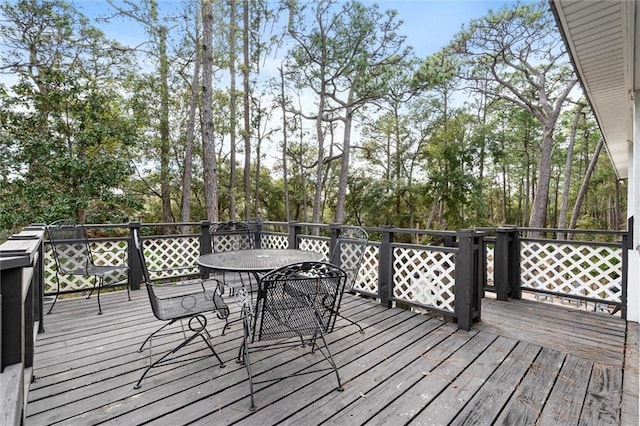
pixel 562 219
pixel 344 59
pixel 146 13
pixel 516 55
pixel 64 130
pixel 210 172
pixel 185 208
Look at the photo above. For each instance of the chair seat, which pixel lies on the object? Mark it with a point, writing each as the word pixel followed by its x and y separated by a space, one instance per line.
pixel 98 270
pixel 186 305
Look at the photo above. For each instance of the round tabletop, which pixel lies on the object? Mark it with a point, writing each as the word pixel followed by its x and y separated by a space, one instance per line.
pixel 257 260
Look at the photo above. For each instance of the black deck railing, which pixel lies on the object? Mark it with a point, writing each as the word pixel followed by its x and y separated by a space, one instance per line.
pixel 21 307
pixel 440 271
pixel 417 268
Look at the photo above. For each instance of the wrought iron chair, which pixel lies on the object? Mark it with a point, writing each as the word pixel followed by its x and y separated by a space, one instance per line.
pixel 73 256
pixel 177 301
pixel 348 254
pixel 295 305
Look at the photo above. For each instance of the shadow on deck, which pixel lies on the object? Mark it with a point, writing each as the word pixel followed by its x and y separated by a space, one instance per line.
pixel 525 363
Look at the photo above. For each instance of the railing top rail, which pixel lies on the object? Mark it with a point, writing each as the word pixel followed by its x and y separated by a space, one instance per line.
pixel 426 247
pixel 573 242
pixel 556 230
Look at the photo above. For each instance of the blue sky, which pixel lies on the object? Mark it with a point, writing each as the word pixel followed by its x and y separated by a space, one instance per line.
pixel 428 24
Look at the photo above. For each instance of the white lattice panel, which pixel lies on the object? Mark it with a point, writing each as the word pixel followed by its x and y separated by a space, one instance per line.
pixel 490 264
pixel 104 253
pixel 273 241
pixel 170 257
pixel 424 276
pixel 579 270
pixel 367 279
pixel 314 244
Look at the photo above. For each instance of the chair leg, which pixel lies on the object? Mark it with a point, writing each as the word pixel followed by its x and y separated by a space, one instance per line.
pixel 153 334
pixel 55 299
pixel 197 331
pixel 94 286
pixel 246 358
pixel 328 356
pixel 207 339
pixel 101 281
pixel 352 322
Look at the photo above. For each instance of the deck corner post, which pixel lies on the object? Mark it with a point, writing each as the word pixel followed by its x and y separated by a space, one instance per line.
pixel 507 263
pixel 385 267
pixel 256 225
pixel 135 268
pixel 334 229
pixel 468 284
pixel 205 237
pixel 514 265
pixel 295 229
pixel 205 242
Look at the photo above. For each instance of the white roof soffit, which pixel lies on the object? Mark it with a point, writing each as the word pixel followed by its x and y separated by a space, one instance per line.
pixel 600 37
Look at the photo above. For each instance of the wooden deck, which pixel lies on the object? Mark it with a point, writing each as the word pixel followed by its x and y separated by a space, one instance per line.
pixel 526 363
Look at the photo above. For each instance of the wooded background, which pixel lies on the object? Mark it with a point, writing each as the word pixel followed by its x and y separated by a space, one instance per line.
pixel 315 112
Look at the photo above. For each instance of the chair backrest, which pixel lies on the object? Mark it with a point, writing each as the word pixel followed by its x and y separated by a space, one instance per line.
pixel 153 298
pixel 138 244
pixel 301 299
pixel 70 245
pixel 231 235
pixel 349 252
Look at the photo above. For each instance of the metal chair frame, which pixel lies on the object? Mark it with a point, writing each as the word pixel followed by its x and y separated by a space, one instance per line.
pixel 348 254
pixel 296 305
pixel 170 302
pixel 73 256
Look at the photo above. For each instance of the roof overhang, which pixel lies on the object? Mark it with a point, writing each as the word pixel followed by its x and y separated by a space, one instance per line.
pixel 601 37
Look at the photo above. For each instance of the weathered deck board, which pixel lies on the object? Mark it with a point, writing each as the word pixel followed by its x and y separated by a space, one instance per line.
pixel 594 336
pixel 525 363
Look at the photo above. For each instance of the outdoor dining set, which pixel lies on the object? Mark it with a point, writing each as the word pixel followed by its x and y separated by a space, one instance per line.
pixel 286 297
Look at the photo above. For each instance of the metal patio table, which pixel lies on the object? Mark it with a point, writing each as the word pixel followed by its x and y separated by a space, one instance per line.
pixel 256 261
pixel 253 262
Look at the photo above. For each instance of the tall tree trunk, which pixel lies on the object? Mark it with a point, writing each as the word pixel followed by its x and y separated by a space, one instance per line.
pixel 185 211
pixel 344 164
pixel 285 169
pixel 317 197
pixel 564 209
pixel 232 111
pixel 165 183
pixel 585 184
pixel 538 217
pixel 210 167
pixel 247 108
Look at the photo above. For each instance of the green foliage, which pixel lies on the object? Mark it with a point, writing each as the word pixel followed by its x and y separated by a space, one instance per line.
pixel 62 123
pixel 80 136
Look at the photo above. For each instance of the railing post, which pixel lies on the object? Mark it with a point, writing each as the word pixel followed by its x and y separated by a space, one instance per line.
pixel 385 267
pixel 205 243
pixel 205 237
pixel 256 225
pixel 515 289
pixel 135 268
pixel 624 278
pixel 506 272
pixel 334 229
pixel 38 272
pixel 294 232
pixel 468 285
